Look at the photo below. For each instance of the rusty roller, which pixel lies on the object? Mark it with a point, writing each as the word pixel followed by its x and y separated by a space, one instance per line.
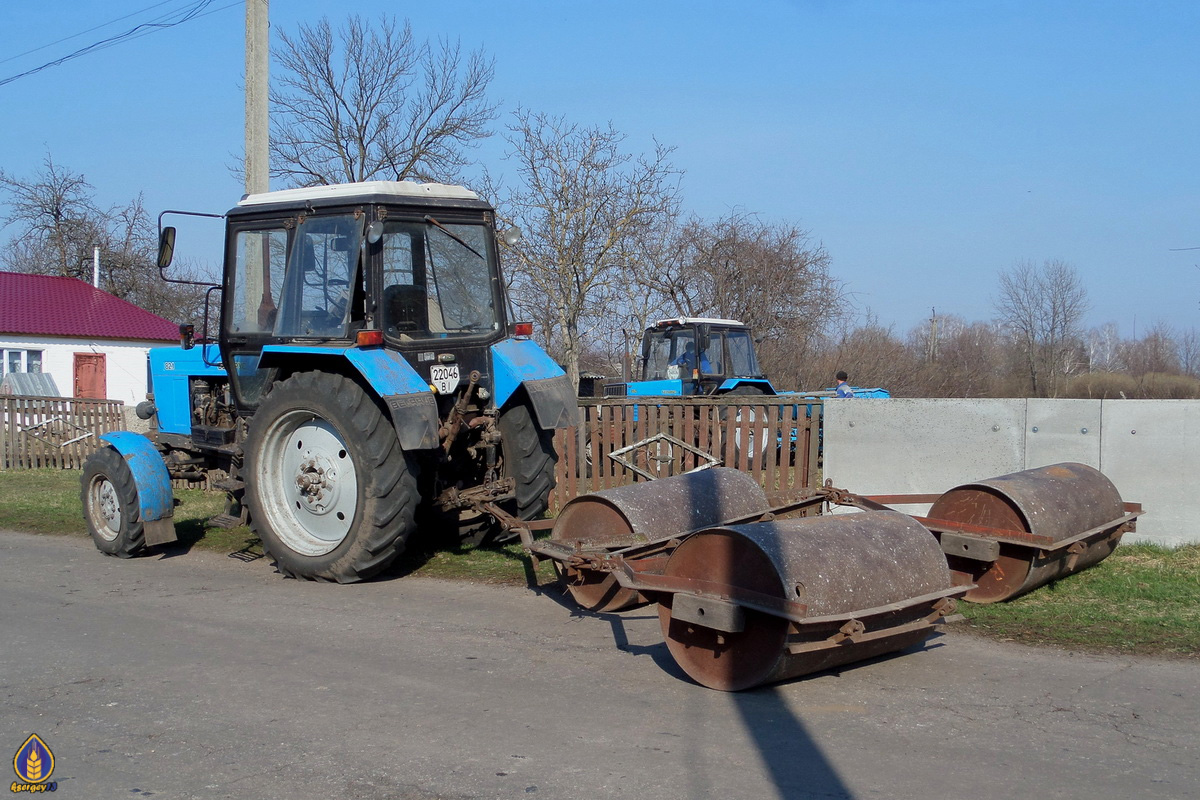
pixel 1047 523
pixel 629 515
pixel 743 605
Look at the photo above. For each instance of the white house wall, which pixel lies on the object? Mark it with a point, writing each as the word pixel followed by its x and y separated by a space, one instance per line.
pixel 125 363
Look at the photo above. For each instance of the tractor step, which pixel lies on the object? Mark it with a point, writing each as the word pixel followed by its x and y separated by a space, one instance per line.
pixel 229 484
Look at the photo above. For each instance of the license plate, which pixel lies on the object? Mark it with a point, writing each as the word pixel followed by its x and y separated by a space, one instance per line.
pixel 444 377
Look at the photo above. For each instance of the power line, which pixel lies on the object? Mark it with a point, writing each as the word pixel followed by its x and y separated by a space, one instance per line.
pixel 188 14
pixel 81 33
pixel 148 31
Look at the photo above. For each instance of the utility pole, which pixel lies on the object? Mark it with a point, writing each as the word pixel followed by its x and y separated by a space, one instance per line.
pixel 932 354
pixel 257 53
pixel 258 175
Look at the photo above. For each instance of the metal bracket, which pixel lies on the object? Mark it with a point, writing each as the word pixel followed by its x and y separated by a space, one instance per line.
pixel 708 612
pixel 974 548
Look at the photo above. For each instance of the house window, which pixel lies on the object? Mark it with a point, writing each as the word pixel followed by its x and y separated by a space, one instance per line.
pixel 21 361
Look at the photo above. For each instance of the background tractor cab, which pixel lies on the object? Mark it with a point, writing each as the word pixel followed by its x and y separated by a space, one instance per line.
pixel 698 356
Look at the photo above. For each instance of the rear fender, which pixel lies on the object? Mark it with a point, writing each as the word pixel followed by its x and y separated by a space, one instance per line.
pixel 734 383
pixel 521 363
pixel 156 501
pixel 407 396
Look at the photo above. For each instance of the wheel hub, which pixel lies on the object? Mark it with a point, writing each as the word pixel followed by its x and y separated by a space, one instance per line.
pixel 109 508
pixel 313 477
pixel 317 483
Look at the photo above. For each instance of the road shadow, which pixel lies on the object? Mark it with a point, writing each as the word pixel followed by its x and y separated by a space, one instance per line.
pixel 794 761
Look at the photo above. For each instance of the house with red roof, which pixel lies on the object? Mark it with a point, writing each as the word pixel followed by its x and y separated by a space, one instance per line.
pixel 91 343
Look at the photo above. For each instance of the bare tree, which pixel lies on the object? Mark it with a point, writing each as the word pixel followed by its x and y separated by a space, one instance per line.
pixel 585 206
pixel 58 222
pixel 59 225
pixel 1157 351
pixel 1103 346
pixel 1189 353
pixel 872 355
pixel 965 362
pixel 370 102
pixel 1042 308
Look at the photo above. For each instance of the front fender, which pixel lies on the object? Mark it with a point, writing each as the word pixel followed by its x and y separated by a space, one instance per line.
pixel 156 501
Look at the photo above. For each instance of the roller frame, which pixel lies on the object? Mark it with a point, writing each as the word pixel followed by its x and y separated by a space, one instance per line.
pixel 982 535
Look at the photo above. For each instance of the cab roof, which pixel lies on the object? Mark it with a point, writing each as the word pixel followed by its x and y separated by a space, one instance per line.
pixel 681 321
pixel 398 192
pixel 399 189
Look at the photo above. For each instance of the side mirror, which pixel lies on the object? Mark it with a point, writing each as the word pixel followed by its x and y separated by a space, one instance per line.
pixel 166 247
pixel 374 232
pixel 511 236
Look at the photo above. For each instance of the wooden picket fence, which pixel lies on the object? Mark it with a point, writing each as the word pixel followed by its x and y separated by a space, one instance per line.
pixel 619 440
pixel 623 440
pixel 58 432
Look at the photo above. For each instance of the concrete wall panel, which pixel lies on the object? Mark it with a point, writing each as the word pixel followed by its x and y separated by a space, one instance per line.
pixel 921 446
pixel 1151 451
pixel 1062 430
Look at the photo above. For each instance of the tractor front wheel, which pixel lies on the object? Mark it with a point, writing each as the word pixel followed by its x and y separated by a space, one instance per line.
pixel 110 504
pixel 331 493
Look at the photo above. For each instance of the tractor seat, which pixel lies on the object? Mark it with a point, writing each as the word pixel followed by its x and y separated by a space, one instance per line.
pixel 404 308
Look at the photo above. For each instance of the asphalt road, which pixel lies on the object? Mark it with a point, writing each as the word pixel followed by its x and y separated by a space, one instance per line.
pixel 200 676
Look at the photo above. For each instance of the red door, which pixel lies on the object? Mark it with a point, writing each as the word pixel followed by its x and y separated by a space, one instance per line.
pixel 90 379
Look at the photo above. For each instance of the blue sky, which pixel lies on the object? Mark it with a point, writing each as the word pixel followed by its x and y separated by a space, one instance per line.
pixel 928 145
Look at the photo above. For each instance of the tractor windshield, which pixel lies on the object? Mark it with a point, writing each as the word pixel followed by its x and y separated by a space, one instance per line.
pixel 437 280
pixel 671 354
pixel 322 269
pixel 741 361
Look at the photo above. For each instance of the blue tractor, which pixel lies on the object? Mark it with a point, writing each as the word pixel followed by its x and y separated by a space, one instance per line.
pixel 696 356
pixel 366 381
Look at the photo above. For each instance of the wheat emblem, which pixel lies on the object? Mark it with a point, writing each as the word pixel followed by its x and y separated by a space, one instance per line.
pixel 34 763
pixel 33 766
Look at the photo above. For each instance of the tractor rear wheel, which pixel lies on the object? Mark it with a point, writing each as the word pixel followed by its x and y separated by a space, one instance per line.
pixel 529 458
pixel 331 493
pixel 110 504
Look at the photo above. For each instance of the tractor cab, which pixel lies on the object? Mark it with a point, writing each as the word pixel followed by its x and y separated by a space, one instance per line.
pixel 698 355
pixel 411 267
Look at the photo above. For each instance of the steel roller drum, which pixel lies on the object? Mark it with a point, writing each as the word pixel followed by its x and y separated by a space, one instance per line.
pixel 836 566
pixel 1052 504
pixel 641 512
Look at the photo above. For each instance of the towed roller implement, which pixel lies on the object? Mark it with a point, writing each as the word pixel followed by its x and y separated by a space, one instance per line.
pixel 615 519
pixel 1009 535
pixel 751 593
pixel 743 605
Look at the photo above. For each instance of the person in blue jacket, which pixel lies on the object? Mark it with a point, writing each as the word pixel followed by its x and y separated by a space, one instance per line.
pixel 688 359
pixel 843 388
